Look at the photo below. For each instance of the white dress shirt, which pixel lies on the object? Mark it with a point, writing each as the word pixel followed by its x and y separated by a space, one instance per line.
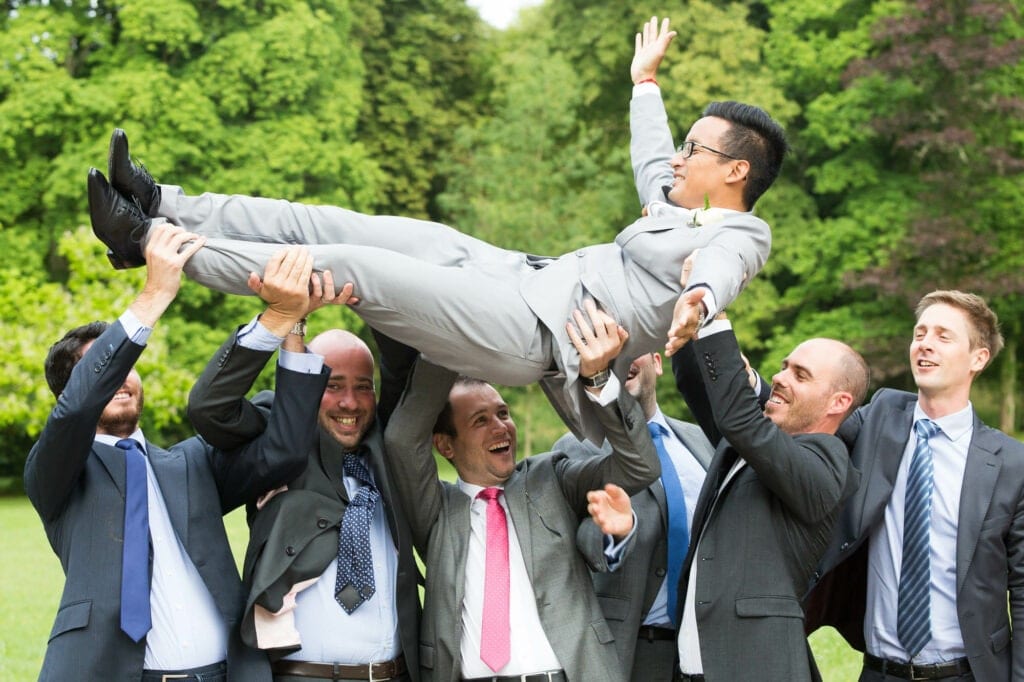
pixel 885 551
pixel 188 629
pixel 531 650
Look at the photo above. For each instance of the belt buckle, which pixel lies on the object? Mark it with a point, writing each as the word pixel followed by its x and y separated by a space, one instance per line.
pixel 164 678
pixel 914 675
pixel 374 678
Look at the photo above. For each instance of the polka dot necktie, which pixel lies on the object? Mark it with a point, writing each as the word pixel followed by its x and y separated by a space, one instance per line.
pixel 355 582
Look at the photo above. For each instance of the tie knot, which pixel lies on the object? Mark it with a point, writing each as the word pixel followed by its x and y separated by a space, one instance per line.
pixel 657 430
pixel 128 444
pixel 926 428
pixel 489 494
pixel 355 466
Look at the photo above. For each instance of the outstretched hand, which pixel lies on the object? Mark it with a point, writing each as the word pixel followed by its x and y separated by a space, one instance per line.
pixel 685 320
pixel 598 342
pixel 167 250
pixel 651 45
pixel 611 510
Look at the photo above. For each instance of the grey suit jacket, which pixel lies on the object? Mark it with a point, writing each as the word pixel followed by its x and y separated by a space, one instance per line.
pixel 309 514
pixel 627 593
pixel 77 487
pixel 546 496
pixel 990 536
pixel 756 539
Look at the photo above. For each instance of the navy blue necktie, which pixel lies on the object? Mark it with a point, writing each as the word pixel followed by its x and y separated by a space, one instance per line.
pixel 355 583
pixel 678 534
pixel 136 620
pixel 913 614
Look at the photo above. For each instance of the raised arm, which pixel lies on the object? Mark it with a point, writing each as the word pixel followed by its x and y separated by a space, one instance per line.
pixel 58 458
pixel 408 447
pixel 650 147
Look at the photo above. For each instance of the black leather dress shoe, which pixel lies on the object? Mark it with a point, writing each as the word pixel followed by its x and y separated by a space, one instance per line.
pixel 131 180
pixel 118 222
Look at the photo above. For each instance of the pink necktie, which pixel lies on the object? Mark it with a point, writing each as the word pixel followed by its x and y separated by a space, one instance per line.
pixel 495 638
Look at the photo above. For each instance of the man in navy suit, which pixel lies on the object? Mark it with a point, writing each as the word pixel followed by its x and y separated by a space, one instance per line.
pixel 84 473
pixel 974 546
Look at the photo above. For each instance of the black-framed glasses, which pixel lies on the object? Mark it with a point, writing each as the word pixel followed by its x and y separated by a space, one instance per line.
pixel 689 147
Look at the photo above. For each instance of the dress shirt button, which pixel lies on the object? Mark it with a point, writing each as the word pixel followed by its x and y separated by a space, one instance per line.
pixel 289 550
pixel 321 523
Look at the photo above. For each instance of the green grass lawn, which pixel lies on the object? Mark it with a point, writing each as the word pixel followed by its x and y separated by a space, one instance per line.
pixel 31 582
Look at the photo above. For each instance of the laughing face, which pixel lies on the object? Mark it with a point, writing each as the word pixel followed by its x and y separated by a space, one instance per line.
pixel 349 402
pixel 803 393
pixel 704 173
pixel 483 450
pixel 941 358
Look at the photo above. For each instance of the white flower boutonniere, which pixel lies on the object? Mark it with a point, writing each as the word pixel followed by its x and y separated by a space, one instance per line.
pixel 706 216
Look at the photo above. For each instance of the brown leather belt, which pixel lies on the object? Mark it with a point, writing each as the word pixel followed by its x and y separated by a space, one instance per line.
pixel 654 634
pixel 336 671
pixel 909 671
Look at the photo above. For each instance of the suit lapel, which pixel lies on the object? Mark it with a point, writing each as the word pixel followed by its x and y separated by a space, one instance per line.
pixel 172 476
pixel 980 477
pixel 113 461
pixel 459 534
pixel 700 454
pixel 878 481
pixel 519 509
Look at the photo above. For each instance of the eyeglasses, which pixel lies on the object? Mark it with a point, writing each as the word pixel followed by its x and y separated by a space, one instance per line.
pixel 689 147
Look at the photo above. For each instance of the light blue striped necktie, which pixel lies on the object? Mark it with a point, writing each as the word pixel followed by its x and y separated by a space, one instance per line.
pixel 913 615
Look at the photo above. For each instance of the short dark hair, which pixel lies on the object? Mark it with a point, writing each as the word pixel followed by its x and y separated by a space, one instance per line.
pixel 444 423
pixel 755 137
pixel 65 354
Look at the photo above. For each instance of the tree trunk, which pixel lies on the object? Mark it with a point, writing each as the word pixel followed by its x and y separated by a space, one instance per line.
pixel 1008 387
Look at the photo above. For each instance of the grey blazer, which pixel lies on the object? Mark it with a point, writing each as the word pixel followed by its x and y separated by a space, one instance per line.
pixel 546 496
pixel 309 514
pixel 77 487
pixel 626 594
pixel 755 540
pixel 990 536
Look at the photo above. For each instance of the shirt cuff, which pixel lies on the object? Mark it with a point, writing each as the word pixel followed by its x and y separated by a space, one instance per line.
pixel 714 327
pixel 255 336
pixel 609 392
pixel 647 88
pixel 136 332
pixel 613 549
pixel 305 363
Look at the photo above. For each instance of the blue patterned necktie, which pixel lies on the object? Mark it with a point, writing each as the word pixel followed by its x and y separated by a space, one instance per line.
pixel 355 582
pixel 678 534
pixel 913 619
pixel 136 619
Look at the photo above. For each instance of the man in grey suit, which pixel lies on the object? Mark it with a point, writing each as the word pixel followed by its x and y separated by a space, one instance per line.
pixel 973 549
pixel 303 535
pixel 553 626
pixel 485 311
pixel 95 489
pixel 768 505
pixel 634 597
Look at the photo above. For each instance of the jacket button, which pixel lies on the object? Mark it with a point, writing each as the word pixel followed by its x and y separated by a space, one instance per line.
pixel 845 545
pixel 289 550
pixel 321 523
pixel 660 572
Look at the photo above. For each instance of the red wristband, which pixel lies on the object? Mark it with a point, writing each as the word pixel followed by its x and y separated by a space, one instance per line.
pixel 646 80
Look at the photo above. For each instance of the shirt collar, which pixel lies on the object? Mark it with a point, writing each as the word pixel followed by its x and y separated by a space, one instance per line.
pixel 110 440
pixel 954 425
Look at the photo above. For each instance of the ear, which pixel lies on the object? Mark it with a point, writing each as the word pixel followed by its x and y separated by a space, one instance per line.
pixel 979 358
pixel 443 444
pixel 738 172
pixel 656 361
pixel 840 403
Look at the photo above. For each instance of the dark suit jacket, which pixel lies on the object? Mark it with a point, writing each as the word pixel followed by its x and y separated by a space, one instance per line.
pixel 626 594
pixel 990 536
pixel 306 518
pixel 756 541
pixel 546 496
pixel 77 487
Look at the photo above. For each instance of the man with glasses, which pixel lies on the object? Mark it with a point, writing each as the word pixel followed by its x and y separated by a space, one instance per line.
pixel 475 308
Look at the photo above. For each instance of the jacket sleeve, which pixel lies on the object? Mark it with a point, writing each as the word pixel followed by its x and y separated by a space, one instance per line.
pixel 57 459
pixel 650 147
pixel 408 447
